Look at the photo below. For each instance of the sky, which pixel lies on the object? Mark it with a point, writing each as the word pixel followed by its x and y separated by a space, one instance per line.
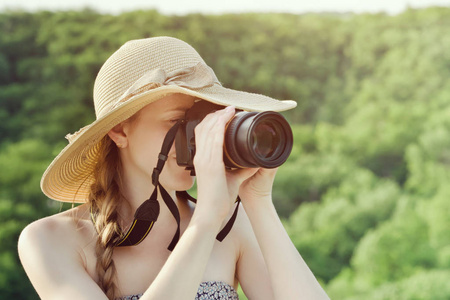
pixel 181 7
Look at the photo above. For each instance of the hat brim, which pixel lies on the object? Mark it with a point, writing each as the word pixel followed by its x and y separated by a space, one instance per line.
pixel 69 177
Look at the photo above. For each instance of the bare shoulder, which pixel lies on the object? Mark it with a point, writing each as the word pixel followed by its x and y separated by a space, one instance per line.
pixel 64 230
pixel 52 250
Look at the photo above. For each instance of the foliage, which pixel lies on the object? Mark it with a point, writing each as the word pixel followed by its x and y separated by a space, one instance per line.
pixel 327 233
pixel 365 192
pixel 421 286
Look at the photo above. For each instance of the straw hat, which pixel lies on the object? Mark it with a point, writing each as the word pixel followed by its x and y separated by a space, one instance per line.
pixel 139 73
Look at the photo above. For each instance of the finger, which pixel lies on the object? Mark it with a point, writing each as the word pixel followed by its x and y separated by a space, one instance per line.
pixel 219 117
pixel 206 136
pixel 269 172
pixel 209 134
pixel 240 175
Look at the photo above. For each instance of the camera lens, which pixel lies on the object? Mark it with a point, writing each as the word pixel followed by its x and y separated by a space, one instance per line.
pixel 257 140
pixel 265 138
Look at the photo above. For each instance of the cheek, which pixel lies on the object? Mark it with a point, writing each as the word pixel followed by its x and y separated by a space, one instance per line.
pixel 145 147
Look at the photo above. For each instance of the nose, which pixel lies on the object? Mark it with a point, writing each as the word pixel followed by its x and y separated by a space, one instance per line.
pixel 172 151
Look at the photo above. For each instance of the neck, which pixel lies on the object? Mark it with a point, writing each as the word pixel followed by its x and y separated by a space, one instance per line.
pixel 136 195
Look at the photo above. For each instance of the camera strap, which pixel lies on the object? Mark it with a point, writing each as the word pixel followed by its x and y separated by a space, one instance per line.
pixel 147 213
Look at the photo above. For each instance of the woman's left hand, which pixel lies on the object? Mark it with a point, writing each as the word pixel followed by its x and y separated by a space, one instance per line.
pixel 259 186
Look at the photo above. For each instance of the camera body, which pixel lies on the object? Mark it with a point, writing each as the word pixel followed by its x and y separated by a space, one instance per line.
pixel 251 139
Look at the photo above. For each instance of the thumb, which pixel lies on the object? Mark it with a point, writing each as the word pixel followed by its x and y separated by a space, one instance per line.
pixel 242 175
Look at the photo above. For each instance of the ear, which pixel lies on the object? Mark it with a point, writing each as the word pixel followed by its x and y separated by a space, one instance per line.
pixel 118 135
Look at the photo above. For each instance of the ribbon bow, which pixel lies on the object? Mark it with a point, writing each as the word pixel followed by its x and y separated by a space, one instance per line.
pixel 195 77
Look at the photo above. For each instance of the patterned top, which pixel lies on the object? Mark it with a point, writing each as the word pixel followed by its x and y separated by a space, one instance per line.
pixel 209 290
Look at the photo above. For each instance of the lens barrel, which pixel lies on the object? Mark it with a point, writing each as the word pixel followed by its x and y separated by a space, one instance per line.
pixel 257 140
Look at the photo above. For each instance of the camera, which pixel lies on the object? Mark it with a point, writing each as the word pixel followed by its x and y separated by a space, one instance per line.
pixel 251 139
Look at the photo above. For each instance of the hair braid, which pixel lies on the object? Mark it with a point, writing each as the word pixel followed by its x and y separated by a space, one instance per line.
pixel 104 199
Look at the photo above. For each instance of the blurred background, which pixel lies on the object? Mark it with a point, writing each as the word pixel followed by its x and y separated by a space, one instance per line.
pixel 365 193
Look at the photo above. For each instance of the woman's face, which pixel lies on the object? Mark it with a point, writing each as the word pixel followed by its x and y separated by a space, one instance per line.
pixel 144 138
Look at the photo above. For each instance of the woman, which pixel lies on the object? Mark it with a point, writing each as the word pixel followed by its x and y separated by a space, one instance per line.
pixel 140 94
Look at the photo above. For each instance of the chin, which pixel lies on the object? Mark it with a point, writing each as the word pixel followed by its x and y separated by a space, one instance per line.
pixel 184 185
pixel 179 180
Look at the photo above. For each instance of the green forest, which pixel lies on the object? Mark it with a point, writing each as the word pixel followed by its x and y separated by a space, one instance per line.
pixel 365 193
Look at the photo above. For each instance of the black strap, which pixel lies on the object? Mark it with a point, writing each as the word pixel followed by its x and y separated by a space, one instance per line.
pixel 227 228
pixel 174 210
pixel 224 232
pixel 165 148
pixel 144 218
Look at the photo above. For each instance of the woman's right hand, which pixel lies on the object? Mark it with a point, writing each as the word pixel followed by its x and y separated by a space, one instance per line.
pixel 217 188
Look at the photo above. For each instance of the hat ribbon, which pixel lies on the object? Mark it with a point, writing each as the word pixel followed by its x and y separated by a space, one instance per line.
pixel 194 77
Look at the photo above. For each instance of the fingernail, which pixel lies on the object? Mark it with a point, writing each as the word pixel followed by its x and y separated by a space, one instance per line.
pixel 229 108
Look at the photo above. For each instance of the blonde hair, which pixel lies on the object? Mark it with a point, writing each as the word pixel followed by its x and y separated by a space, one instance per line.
pixel 104 198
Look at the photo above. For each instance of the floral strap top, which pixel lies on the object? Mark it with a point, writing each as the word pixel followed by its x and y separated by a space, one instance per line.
pixel 209 290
